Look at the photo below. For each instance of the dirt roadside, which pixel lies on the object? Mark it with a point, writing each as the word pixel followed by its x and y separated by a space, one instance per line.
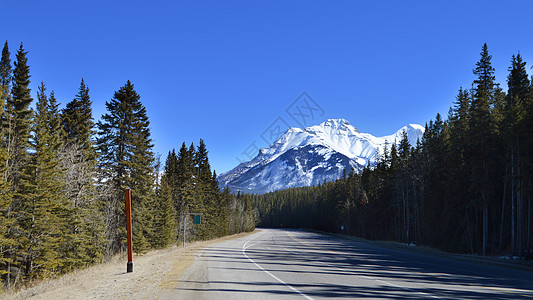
pixel 153 274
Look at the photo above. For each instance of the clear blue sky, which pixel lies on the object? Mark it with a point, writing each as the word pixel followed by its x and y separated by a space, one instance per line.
pixel 224 71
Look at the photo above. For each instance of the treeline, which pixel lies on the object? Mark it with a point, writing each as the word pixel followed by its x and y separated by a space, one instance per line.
pixel 63 175
pixel 465 187
pixel 189 186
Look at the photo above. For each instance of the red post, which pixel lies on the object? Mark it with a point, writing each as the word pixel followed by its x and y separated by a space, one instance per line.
pixel 128 229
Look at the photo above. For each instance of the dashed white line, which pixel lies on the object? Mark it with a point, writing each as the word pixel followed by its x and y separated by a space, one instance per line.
pixel 244 247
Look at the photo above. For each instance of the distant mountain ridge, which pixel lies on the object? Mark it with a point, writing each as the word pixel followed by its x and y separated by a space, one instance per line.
pixel 304 157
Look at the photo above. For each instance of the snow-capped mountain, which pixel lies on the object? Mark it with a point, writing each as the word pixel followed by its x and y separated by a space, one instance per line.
pixel 310 156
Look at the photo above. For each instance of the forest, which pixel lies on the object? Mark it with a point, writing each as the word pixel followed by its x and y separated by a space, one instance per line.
pixel 63 176
pixel 465 187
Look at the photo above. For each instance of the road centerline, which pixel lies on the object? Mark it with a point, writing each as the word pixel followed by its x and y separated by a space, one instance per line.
pixel 245 246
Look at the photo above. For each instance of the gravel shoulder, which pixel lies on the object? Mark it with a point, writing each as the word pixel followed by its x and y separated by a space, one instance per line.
pixel 153 274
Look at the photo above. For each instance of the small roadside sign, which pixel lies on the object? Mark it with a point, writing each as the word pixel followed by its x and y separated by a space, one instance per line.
pixel 197 219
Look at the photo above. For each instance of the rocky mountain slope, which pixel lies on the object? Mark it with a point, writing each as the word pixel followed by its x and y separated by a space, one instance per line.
pixel 304 157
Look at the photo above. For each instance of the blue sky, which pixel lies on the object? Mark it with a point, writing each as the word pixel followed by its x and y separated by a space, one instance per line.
pixel 225 71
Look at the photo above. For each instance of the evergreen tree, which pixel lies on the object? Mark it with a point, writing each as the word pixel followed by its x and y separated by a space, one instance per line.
pixel 515 129
pixel 141 176
pixel 19 169
pixel 46 209
pixel 459 173
pixel 124 145
pixel 19 116
pixel 482 128
pixel 78 122
pixel 7 220
pixel 171 175
pixel 450 191
pixel 5 76
pixel 78 158
pixel 459 123
pixel 164 217
pixel 205 192
pixel 202 161
pixel 187 200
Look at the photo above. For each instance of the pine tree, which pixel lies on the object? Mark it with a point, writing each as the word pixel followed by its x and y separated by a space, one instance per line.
pixel 165 212
pixel 481 134
pixel 202 161
pixel 164 217
pixel 459 173
pixel 205 193
pixel 19 168
pixel 516 130
pixel 141 176
pixel 78 158
pixel 459 122
pixel 19 116
pixel 124 145
pixel 7 220
pixel 47 210
pixel 5 76
pixel 171 175
pixel 187 200
pixel 78 122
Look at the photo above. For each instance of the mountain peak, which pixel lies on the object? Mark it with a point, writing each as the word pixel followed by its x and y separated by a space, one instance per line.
pixel 333 127
pixel 337 124
pixel 310 156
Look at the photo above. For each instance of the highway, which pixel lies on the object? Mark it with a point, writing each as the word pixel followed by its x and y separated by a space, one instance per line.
pixel 292 264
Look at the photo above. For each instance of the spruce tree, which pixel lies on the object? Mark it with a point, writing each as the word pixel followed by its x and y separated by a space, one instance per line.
pixel 47 209
pixel 171 175
pixel 7 220
pixel 164 217
pixel 187 200
pixel 516 130
pixel 78 122
pixel 205 193
pixel 19 116
pixel 459 173
pixel 5 76
pixel 19 168
pixel 79 161
pixel 202 161
pixel 141 175
pixel 124 145
pixel 481 135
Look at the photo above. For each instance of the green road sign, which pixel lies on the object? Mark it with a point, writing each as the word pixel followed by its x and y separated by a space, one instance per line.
pixel 197 219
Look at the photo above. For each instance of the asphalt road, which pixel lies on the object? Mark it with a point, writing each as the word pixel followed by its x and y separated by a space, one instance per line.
pixel 291 264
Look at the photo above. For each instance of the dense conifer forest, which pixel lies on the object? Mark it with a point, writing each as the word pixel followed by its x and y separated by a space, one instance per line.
pixel 63 175
pixel 465 187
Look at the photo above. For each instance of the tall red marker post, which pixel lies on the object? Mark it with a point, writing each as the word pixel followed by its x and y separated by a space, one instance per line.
pixel 128 229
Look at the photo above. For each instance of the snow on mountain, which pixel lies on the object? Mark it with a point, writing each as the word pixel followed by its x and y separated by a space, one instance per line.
pixel 310 156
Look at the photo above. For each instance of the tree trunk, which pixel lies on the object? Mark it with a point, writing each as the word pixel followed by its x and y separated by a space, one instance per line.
pixel 485 223
pixel 469 232
pixel 520 208
pixel 503 208
pixel 485 209
pixel 520 222
pixel 529 226
pixel 513 208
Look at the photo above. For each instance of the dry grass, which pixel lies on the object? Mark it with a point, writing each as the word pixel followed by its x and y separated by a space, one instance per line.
pixel 153 273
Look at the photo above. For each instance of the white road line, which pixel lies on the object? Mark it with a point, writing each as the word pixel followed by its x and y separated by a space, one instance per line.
pixel 244 247
pixel 347 270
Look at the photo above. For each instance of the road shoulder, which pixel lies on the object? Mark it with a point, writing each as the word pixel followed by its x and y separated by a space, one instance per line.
pixel 488 260
pixel 154 273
